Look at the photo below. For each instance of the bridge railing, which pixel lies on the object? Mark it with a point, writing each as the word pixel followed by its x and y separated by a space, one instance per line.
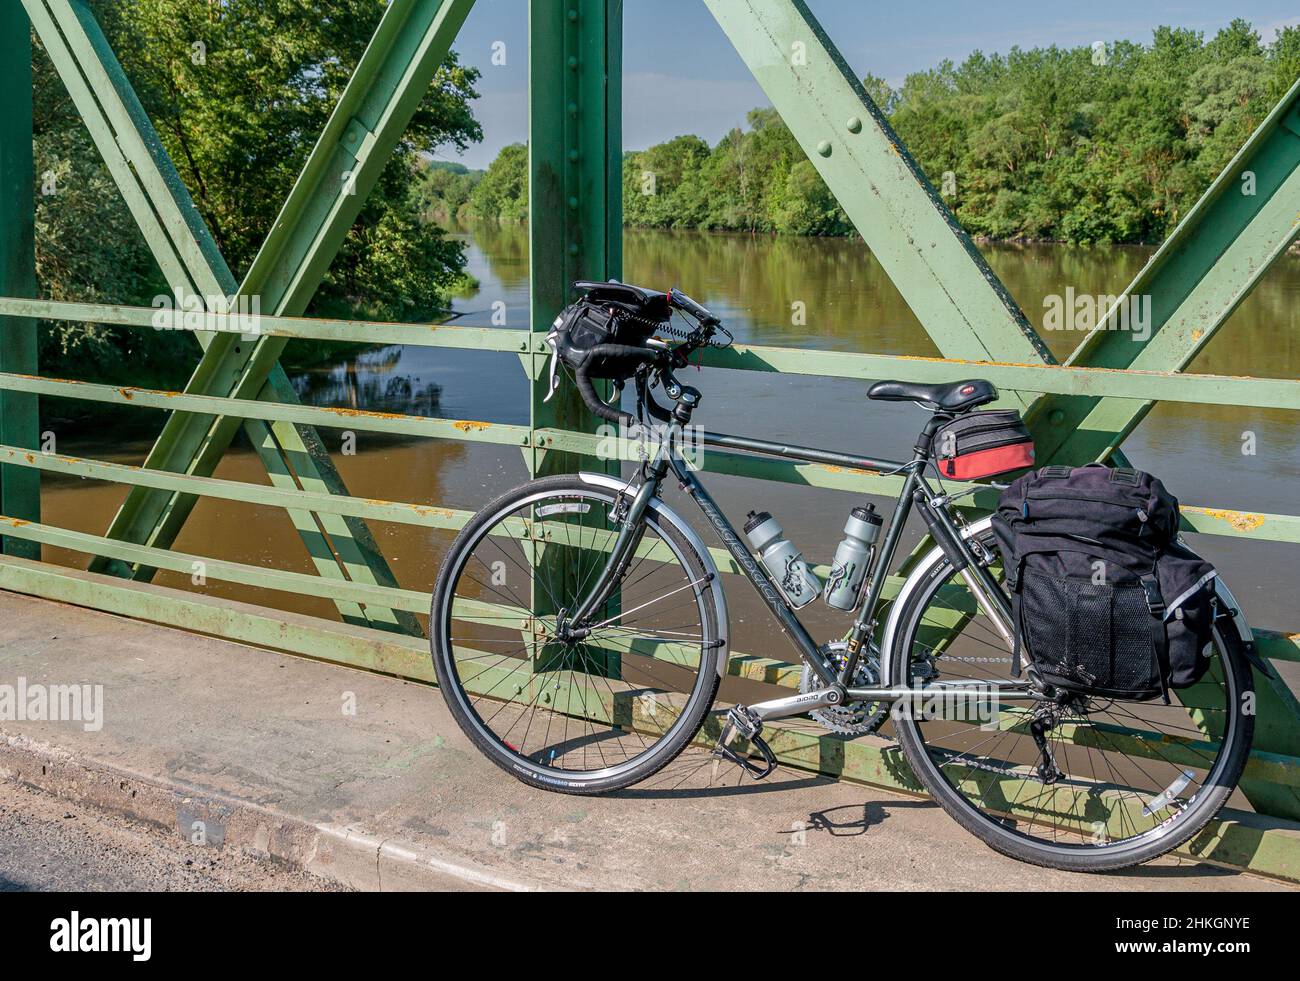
pixel 1203 518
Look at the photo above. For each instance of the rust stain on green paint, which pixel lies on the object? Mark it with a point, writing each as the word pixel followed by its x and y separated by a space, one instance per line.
pixel 1243 521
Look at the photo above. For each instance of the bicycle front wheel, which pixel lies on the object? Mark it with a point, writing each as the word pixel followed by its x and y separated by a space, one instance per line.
pixel 578 716
pixel 1140 778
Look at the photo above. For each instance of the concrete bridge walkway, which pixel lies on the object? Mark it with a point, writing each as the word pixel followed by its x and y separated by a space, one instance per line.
pixel 367 780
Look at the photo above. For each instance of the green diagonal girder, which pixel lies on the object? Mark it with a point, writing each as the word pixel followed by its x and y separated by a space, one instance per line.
pixel 410 43
pixel 960 302
pixel 191 261
pixel 1197 278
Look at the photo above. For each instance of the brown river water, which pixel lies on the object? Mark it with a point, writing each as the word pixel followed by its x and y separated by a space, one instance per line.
pixel 752 283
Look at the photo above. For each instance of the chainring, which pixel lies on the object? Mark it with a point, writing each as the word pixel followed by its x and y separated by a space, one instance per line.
pixel 855 718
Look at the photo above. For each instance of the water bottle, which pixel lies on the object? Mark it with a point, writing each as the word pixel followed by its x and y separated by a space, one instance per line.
pixel 782 560
pixel 852 557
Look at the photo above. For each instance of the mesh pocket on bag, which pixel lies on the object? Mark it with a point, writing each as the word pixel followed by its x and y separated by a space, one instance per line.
pixel 1091 638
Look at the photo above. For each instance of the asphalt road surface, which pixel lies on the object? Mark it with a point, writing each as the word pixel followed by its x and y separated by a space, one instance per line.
pixel 48 844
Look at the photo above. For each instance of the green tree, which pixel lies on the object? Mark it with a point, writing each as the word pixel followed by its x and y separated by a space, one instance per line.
pixel 239 92
pixel 662 185
pixel 442 190
pixel 1112 143
pixel 502 193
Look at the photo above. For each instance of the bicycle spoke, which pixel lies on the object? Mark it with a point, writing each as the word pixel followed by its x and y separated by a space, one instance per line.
pixel 586 705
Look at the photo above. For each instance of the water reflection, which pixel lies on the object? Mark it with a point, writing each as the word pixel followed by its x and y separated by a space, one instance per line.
pixel 370 380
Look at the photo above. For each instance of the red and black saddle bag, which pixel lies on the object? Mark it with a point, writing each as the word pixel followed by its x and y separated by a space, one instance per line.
pixel 983 444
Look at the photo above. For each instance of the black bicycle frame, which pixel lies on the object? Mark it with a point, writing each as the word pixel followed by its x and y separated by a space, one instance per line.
pixel 915 490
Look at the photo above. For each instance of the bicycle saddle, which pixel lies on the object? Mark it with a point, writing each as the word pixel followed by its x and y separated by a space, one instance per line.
pixel 953 397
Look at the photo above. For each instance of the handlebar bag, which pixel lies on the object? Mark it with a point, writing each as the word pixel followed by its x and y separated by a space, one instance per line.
pixel 1107 601
pixel 982 444
pixel 600 318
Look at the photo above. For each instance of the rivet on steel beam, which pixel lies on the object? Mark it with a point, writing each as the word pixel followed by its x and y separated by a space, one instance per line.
pixel 573 249
pixel 573 61
pixel 573 154
pixel 573 202
pixel 573 14
pixel 854 125
pixel 573 108
pixel 824 148
pixel 1056 417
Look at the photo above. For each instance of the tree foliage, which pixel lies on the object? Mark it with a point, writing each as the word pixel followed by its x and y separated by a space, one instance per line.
pixel 239 92
pixel 1086 144
pixel 502 193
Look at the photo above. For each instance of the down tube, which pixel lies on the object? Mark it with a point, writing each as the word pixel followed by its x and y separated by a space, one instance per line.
pixel 755 573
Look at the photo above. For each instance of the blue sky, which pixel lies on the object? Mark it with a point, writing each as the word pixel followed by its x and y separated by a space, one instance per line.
pixel 681 76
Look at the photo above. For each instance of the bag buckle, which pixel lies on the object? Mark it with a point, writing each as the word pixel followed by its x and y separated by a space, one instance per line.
pixel 1155 601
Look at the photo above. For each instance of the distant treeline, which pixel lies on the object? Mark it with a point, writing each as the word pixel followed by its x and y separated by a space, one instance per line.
pixel 1108 143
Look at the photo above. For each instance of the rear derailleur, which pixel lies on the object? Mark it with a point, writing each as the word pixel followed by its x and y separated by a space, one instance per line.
pixel 1046 716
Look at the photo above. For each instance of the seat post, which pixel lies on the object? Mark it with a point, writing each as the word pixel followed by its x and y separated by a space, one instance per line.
pixel 926 439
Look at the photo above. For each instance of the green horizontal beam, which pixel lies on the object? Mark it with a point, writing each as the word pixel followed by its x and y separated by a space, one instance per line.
pixel 310 415
pixel 1072 380
pixel 314 637
pixel 280 580
pixel 1212 521
pixel 341 331
pixel 420 515
pixel 1267 393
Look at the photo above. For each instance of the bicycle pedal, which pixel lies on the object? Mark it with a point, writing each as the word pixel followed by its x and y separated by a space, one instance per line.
pixel 742 722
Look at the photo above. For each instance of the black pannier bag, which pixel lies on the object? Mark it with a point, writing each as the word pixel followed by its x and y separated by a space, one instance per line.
pixel 605 313
pixel 983 444
pixel 1108 601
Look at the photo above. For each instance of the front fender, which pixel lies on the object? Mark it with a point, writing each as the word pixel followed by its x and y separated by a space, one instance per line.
pixel 663 514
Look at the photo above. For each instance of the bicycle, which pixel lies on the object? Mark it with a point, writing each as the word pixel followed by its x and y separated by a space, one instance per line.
pixel 580 635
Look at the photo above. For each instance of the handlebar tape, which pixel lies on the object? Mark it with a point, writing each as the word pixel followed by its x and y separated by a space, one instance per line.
pixel 588 391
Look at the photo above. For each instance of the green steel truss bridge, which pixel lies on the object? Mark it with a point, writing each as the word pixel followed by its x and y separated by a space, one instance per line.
pixel 1080 410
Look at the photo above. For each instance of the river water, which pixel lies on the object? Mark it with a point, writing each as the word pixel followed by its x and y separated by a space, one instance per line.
pixel 755 284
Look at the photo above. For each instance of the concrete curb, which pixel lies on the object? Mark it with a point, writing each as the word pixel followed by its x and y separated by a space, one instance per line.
pixel 346 855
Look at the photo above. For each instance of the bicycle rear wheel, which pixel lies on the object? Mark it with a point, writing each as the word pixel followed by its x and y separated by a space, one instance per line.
pixel 1140 778
pixel 584 716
